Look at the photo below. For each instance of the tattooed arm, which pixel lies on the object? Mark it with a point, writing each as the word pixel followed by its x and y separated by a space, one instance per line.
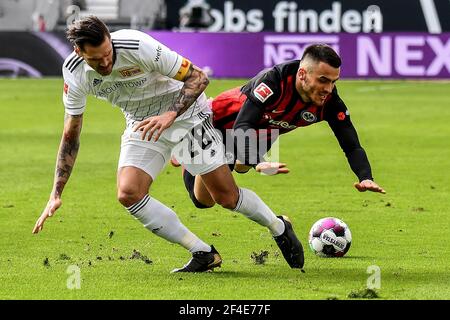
pixel 68 150
pixel 195 82
pixel 67 153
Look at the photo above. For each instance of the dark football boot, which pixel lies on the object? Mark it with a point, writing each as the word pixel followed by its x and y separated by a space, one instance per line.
pixel 202 261
pixel 290 246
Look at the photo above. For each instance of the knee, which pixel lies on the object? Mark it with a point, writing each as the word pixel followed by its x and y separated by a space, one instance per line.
pixel 129 196
pixel 228 200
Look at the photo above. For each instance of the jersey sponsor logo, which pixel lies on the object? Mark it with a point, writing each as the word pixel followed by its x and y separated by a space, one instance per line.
pixel 158 53
pixel 119 85
pixel 308 116
pixel 262 92
pixel 66 88
pixel 130 71
pixel 277 111
pixel 282 124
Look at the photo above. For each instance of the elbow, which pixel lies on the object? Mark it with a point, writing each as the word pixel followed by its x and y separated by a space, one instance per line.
pixel 197 80
pixel 204 80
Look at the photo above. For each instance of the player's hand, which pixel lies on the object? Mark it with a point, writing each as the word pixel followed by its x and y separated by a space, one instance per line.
pixel 174 162
pixel 368 185
pixel 155 124
pixel 271 168
pixel 52 205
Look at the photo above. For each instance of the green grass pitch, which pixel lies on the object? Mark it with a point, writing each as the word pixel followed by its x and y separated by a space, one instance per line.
pixel 403 126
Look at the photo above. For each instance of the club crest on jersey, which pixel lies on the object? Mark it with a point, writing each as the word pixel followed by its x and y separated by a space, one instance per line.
pixel 262 92
pixel 309 116
pixel 130 71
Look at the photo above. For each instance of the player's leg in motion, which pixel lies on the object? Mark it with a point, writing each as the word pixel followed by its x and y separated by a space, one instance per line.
pixel 225 192
pixel 197 190
pixel 133 185
pixel 212 182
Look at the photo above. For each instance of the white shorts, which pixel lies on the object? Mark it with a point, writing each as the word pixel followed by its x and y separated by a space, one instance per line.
pixel 194 142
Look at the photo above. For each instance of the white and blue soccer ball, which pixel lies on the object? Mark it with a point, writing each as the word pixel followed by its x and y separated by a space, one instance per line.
pixel 330 237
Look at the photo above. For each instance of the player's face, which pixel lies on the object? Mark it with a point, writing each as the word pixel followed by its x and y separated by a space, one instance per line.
pixel 315 84
pixel 99 58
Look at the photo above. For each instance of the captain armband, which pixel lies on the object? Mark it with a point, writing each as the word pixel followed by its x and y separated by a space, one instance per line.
pixel 184 68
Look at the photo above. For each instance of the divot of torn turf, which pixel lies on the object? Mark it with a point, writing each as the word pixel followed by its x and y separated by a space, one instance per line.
pixel 260 258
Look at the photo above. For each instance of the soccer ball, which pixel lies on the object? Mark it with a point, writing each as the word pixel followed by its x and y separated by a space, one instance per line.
pixel 330 237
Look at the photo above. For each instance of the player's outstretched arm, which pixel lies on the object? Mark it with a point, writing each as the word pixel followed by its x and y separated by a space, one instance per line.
pixel 195 82
pixel 347 137
pixel 67 153
pixel 245 134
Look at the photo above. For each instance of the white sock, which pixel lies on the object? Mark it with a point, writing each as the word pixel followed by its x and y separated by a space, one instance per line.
pixel 251 206
pixel 163 222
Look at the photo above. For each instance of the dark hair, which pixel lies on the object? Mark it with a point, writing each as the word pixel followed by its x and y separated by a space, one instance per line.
pixel 322 53
pixel 90 30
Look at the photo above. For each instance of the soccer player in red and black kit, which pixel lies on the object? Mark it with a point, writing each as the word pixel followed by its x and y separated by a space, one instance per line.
pixel 290 95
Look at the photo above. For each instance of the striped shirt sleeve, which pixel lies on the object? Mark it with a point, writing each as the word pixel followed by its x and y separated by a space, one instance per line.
pixel 74 96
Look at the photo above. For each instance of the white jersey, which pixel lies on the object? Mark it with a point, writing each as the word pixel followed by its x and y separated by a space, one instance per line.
pixel 141 83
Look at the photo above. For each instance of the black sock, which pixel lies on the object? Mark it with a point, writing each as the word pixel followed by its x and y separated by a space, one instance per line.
pixel 189 182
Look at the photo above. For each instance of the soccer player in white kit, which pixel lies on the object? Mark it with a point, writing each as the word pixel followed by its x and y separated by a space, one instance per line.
pixel 161 96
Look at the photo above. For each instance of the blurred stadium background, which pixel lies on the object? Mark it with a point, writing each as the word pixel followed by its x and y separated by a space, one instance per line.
pixel 236 39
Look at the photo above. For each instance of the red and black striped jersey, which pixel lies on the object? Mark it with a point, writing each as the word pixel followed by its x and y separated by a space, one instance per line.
pixel 282 107
pixel 270 101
